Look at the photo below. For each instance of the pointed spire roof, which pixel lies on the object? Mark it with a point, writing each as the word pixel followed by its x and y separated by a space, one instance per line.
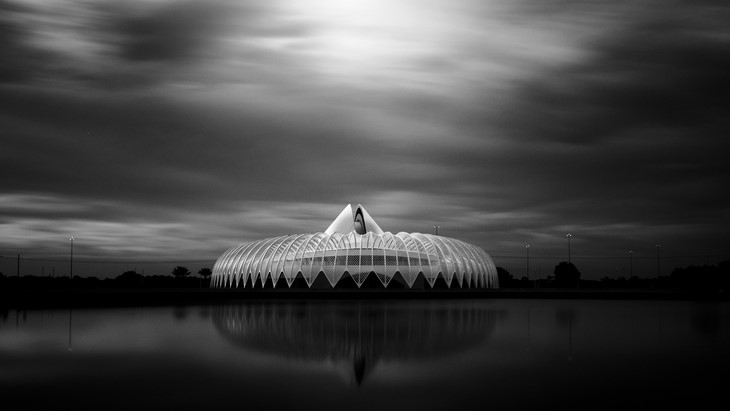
pixel 357 220
pixel 370 224
pixel 344 223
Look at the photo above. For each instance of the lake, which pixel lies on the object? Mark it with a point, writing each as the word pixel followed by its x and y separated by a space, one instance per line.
pixel 375 354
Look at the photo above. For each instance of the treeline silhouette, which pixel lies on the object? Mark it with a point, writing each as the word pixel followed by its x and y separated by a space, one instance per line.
pixel 180 278
pixel 704 278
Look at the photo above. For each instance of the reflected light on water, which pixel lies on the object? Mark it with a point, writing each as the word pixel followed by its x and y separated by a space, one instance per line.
pixel 334 355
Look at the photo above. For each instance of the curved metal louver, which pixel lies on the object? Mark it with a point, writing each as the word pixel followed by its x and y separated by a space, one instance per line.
pixel 335 253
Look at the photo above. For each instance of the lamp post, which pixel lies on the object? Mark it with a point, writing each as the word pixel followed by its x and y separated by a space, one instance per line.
pixel 436 226
pixel 569 235
pixel 527 248
pixel 631 263
pixel 71 268
pixel 658 246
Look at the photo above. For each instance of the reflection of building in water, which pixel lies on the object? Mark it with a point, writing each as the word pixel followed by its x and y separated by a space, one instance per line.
pixel 358 335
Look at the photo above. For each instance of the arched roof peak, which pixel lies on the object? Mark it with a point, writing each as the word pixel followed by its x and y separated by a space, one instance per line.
pixel 356 220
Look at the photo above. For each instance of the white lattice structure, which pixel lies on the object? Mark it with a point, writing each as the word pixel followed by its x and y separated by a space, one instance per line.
pixel 335 253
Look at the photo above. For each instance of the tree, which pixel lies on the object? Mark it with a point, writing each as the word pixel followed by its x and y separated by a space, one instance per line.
pixel 129 279
pixel 205 273
pixel 702 278
pixel 566 274
pixel 180 272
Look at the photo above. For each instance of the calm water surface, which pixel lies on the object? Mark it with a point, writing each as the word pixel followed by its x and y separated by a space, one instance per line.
pixel 500 354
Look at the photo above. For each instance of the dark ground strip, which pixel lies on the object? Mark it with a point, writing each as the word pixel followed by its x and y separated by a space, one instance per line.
pixel 155 297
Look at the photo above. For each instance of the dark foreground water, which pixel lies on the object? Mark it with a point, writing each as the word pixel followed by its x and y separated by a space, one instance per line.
pixel 325 355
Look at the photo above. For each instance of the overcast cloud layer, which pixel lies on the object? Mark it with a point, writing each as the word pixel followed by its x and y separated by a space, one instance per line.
pixel 163 130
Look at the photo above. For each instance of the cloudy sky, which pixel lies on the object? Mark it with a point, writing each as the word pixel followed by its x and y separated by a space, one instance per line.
pixel 156 130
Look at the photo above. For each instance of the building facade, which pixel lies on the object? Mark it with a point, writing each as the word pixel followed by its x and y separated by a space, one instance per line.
pixel 355 246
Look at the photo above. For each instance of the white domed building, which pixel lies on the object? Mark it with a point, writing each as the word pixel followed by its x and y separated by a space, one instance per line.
pixel 355 246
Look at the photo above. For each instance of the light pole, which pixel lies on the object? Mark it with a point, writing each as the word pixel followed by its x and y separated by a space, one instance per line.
pixel 658 246
pixel 631 263
pixel 436 226
pixel 569 235
pixel 71 269
pixel 527 247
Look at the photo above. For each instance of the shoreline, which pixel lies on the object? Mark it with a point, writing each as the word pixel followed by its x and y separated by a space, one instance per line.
pixel 90 298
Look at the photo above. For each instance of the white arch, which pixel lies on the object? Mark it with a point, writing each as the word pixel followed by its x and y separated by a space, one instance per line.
pixel 305 252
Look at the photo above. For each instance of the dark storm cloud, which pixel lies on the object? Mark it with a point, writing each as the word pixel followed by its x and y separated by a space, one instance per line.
pixel 646 78
pixel 174 31
pixel 169 123
pixel 134 45
pixel 629 142
pixel 19 60
pixel 146 152
pixel 649 100
pixel 186 29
